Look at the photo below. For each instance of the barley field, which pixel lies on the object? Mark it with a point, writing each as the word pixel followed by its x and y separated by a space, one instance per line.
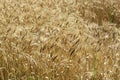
pixel 59 40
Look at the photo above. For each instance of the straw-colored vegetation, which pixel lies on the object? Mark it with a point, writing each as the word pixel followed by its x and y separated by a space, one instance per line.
pixel 59 40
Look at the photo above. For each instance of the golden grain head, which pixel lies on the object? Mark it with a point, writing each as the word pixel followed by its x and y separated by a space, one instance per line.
pixel 59 40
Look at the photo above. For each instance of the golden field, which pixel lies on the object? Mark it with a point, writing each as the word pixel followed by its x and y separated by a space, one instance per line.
pixel 59 40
